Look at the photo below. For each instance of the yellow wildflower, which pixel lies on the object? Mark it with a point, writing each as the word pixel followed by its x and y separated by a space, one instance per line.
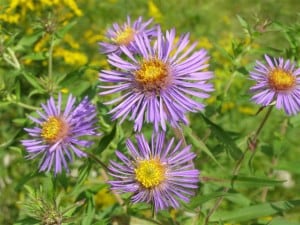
pixel 173 213
pixel 266 218
pixel 247 110
pixel 204 43
pixel 14 18
pixel 154 11
pixel 211 100
pixel 50 2
pixel 73 6
pixel 41 45
pixel 226 20
pixel 227 106
pixel 92 38
pixel 71 57
pixel 70 40
pixel 64 90
pixel 104 198
pixel 23 4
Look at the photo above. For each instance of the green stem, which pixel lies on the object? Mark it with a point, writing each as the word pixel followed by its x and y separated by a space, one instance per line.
pixel 11 59
pixel 97 160
pixel 238 164
pixel 14 58
pixel 26 106
pixel 262 124
pixel 50 55
pixel 179 135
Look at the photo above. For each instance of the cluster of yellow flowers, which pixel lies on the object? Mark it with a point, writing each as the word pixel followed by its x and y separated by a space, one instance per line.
pixel 16 10
pixel 71 57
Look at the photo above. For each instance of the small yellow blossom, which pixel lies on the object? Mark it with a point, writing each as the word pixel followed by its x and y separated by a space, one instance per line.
pixel 173 213
pixel 247 110
pixel 13 18
pixel 64 90
pixel 41 45
pixel 23 4
pixel 204 43
pixel 50 2
pixel 154 11
pixel 266 218
pixel 27 61
pixel 211 100
pixel 70 40
pixel 71 57
pixel 226 106
pixel 73 6
pixel 104 198
pixel 226 20
pixel 92 38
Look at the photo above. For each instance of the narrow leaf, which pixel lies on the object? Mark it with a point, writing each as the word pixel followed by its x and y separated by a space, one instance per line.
pixel 255 211
pixel 225 138
pixel 198 143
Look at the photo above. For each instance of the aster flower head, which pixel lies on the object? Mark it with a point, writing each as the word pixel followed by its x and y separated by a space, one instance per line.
pixel 58 133
pixel 277 81
pixel 119 35
pixel 157 82
pixel 159 173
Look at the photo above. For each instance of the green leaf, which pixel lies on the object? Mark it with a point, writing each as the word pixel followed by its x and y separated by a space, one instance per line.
pixel 89 212
pixel 242 21
pixel 255 181
pixel 36 56
pixel 198 143
pixel 33 81
pixel 138 221
pixel 254 211
pixel 25 179
pixel 225 138
pixel 200 199
pixel 291 166
pixel 234 197
pixel 28 40
pixel 61 33
pixel 281 221
pixel 101 222
pixel 27 221
pixel 106 140
pixel 84 172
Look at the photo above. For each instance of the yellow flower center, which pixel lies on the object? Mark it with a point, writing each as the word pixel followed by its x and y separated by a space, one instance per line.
pixel 281 80
pixel 125 37
pixel 150 173
pixel 54 129
pixel 152 75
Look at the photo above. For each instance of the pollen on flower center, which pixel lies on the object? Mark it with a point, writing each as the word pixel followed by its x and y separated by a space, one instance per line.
pixel 152 75
pixel 150 173
pixel 125 37
pixel 281 80
pixel 54 129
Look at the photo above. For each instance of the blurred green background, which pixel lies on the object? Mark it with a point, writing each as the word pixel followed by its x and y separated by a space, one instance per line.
pixel 235 33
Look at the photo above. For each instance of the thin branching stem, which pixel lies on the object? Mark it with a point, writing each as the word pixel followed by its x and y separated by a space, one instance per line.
pixel 237 166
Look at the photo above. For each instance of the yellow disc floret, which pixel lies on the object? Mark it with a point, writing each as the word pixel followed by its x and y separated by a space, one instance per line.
pixel 153 74
pixel 281 80
pixel 124 37
pixel 150 173
pixel 54 129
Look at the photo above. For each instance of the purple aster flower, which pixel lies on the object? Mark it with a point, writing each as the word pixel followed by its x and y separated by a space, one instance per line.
pixel 157 83
pixel 57 136
pixel 125 34
pixel 159 174
pixel 277 81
